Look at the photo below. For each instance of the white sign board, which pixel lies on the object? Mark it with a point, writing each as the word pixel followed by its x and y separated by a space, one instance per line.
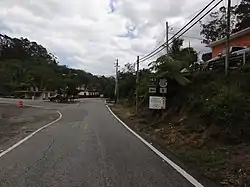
pixel 157 103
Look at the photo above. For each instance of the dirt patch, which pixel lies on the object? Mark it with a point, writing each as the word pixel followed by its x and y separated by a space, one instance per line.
pixel 227 165
pixel 17 123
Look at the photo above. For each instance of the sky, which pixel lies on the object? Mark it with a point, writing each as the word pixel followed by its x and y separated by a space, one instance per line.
pixel 92 34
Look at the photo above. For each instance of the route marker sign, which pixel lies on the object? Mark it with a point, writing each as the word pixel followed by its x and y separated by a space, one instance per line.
pixel 163 83
pixel 152 90
pixel 163 90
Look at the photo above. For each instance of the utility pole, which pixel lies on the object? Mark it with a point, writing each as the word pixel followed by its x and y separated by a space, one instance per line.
pixel 228 36
pixel 116 81
pixel 189 46
pixel 137 85
pixel 167 30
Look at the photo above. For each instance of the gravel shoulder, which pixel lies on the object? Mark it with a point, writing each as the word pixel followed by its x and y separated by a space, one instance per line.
pixel 17 123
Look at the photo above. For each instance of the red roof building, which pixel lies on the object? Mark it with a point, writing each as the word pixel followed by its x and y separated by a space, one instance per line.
pixel 241 38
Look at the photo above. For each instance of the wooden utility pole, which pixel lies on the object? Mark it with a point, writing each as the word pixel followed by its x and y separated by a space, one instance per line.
pixel 167 30
pixel 116 81
pixel 137 84
pixel 228 36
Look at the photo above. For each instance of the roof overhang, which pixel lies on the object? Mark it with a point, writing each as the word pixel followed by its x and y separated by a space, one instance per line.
pixel 233 36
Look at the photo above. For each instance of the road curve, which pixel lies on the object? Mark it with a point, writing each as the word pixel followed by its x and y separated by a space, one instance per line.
pixel 88 147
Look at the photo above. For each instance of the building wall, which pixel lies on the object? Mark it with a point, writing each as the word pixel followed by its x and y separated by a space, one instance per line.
pixel 241 41
pixel 37 96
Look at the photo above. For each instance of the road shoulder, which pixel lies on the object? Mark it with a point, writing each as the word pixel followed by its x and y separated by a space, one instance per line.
pixel 189 170
pixel 17 123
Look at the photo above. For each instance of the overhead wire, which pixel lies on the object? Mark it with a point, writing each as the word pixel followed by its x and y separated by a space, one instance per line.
pixel 197 15
pixel 162 47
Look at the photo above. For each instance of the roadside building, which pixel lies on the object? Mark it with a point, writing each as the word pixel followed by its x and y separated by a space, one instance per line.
pixel 241 38
pixel 88 93
pixel 34 95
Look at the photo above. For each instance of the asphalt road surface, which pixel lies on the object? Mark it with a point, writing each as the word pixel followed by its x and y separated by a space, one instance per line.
pixel 87 147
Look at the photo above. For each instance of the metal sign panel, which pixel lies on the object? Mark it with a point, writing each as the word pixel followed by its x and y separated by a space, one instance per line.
pixel 163 83
pixel 163 90
pixel 157 103
pixel 152 90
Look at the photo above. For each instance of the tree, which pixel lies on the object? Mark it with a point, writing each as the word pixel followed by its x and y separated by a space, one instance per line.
pixel 24 64
pixel 243 15
pixel 127 81
pixel 214 28
pixel 175 49
pixel 168 67
pixel 178 53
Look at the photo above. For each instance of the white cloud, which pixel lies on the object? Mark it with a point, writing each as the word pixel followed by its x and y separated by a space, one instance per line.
pixel 91 35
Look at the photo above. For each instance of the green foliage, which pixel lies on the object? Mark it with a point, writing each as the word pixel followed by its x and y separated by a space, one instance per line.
pixel 224 107
pixel 171 65
pixel 167 67
pixel 24 64
pixel 201 157
pixel 215 27
pixel 188 54
pixel 242 15
pixel 127 82
pixel 222 103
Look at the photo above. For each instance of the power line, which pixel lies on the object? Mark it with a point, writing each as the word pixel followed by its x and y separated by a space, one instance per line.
pixel 197 15
pixel 163 45
pixel 192 37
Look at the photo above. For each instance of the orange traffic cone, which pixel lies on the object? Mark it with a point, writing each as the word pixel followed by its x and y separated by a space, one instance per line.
pixel 20 104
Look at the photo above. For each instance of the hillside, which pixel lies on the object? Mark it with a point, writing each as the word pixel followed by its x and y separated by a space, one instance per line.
pixel 206 124
pixel 24 63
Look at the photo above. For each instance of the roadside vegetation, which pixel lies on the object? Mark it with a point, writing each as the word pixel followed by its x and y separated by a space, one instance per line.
pixel 25 64
pixel 206 123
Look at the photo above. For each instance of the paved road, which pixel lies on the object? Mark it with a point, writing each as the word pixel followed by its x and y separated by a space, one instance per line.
pixel 87 147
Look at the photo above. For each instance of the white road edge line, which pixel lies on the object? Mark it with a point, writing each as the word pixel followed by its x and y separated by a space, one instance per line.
pixel 191 179
pixel 32 134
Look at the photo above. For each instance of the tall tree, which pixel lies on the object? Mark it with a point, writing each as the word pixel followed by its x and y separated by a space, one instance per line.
pixel 214 28
pixel 243 15
pixel 177 52
pixel 24 64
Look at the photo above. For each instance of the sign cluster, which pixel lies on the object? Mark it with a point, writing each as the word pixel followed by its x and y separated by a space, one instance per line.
pixel 157 91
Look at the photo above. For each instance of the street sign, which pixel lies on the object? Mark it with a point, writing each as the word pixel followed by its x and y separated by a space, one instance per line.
pixel 163 83
pixel 157 103
pixel 153 81
pixel 152 90
pixel 163 90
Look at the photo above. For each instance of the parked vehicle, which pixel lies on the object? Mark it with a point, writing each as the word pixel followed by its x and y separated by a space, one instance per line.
pixel 236 52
